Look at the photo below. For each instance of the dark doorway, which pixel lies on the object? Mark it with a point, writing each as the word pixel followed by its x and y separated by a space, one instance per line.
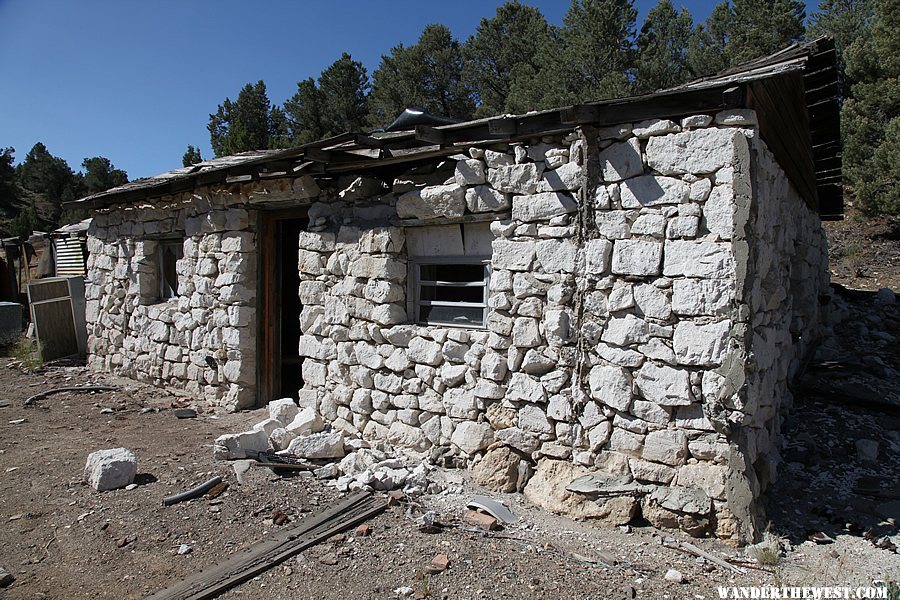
pixel 280 307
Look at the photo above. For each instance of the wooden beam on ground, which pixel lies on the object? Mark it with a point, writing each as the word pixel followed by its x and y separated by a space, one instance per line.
pixel 431 135
pixel 213 581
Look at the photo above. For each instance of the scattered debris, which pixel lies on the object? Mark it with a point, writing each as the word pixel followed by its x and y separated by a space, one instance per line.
pixel 5 577
pixel 481 520
pixel 428 523
pixel 692 549
pixel 215 580
pixel 363 531
pixel 78 388
pixel 110 469
pixel 438 564
pixel 192 493
pixel 820 537
pixel 217 490
pixel 17 421
pixel 184 413
pixel 184 549
pixel 404 591
pixel 279 517
pixel 674 575
pixel 493 507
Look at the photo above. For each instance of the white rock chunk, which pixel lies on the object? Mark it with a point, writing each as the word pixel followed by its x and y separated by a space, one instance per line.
pixel 543 206
pixel 621 160
pixel 611 386
pixel 110 469
pixel 701 344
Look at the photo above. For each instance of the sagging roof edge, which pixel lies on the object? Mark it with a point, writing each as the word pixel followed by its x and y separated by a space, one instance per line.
pixel 740 87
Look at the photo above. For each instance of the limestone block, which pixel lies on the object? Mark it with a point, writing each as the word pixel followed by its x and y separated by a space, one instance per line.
pixel 650 412
pixel 621 160
pixel 524 388
pixel 614 225
pixel 698 151
pixel 663 385
pixel 433 202
pixel 653 190
pixel 683 227
pixel 625 331
pixel 683 500
pixel 542 206
pixel 378 267
pixel 599 435
pixel 651 472
pixel 650 127
pixel 515 256
pixel 268 426
pixel 557 256
pixel 611 386
pixel 696 121
pixel 702 296
pixel 283 410
pixel 498 470
pixel 622 357
pixel 649 224
pixel 110 469
pixel 240 445
pixel 515 179
pixel 526 333
pixel 482 198
pixel 565 178
pixel 637 257
pixel 497 159
pixel 626 442
pixel 533 418
pixel 519 439
pixel 597 254
pixel 469 172
pixel 709 478
pixel 701 344
pixel 471 437
pixel 718 212
pixel 698 259
pixel 424 351
pixel 406 436
pixel 652 302
pixel 318 445
pixel 740 117
pixel 557 327
pixel 668 446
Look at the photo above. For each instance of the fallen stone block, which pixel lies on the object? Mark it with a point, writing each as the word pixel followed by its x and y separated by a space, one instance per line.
pixel 318 445
pixel 240 445
pixel 110 469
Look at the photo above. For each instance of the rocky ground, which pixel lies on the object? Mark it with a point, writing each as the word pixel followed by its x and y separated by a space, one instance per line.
pixel 864 253
pixel 834 511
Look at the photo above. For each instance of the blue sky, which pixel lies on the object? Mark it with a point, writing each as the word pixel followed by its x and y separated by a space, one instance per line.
pixel 135 81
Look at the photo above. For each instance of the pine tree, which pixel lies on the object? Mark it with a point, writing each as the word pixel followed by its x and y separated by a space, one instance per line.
pixel 9 192
pixel 100 175
pixel 761 27
pixel 706 49
pixel 845 21
pixel 244 124
pixel 304 113
pixel 344 86
pixel 598 48
pixel 48 181
pixel 427 75
pixel 662 48
pixel 503 52
pixel 870 119
pixel 191 156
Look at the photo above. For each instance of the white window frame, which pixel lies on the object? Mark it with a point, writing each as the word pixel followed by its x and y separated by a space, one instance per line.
pixel 415 288
pixel 165 292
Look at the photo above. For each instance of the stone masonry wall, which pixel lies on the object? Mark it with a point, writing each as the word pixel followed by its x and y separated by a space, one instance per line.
pixel 204 340
pixel 653 287
pixel 625 301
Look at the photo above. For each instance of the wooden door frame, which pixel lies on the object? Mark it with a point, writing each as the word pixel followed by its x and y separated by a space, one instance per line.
pixel 268 312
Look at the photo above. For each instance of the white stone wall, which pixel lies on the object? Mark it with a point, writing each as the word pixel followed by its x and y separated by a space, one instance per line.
pixel 653 287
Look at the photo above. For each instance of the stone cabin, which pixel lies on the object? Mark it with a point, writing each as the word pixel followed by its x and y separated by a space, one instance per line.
pixel 622 289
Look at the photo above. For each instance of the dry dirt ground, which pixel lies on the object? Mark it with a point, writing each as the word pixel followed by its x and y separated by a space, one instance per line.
pixel 864 253
pixel 61 539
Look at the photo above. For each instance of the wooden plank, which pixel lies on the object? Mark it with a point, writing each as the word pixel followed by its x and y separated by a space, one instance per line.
pixel 503 127
pixel 431 135
pixel 262 556
pixel 471 218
